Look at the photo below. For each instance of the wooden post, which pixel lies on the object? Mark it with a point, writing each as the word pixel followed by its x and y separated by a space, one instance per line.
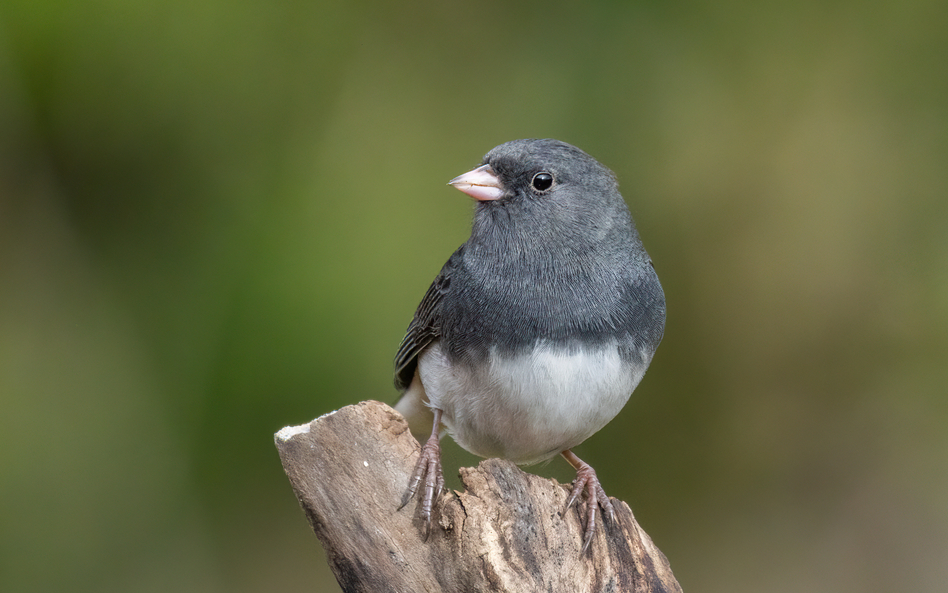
pixel 506 532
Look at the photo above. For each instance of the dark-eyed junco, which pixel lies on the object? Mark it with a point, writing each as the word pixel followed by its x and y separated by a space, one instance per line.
pixel 539 327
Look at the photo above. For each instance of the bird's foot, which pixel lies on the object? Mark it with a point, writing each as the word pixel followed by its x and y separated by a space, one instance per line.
pixel 427 469
pixel 587 481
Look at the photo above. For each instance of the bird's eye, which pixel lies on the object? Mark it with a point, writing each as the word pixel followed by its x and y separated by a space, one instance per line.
pixel 542 181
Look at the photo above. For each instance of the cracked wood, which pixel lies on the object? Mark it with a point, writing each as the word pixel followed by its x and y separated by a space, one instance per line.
pixel 506 532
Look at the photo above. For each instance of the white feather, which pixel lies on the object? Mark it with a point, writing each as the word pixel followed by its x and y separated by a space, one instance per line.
pixel 530 407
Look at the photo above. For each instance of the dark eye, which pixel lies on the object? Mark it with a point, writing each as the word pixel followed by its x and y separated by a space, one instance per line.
pixel 542 181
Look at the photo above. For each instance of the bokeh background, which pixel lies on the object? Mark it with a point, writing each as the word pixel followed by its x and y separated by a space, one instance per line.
pixel 217 217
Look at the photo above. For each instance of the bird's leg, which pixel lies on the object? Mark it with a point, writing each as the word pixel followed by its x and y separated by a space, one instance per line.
pixel 587 481
pixel 429 468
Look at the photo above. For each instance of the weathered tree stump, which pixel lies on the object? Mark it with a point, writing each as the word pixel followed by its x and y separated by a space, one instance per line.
pixel 507 532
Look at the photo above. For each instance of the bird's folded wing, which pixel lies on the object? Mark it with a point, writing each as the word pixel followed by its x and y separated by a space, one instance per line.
pixel 425 327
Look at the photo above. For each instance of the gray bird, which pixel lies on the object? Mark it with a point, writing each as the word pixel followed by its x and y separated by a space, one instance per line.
pixel 539 327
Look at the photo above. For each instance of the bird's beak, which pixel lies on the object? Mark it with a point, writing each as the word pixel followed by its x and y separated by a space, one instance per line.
pixel 482 184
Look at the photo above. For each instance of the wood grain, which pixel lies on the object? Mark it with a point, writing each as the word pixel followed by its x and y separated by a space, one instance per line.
pixel 506 532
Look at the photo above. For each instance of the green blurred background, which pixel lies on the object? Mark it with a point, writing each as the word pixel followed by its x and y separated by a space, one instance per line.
pixel 216 219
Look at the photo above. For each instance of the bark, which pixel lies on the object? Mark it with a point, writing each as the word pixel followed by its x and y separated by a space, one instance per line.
pixel 507 532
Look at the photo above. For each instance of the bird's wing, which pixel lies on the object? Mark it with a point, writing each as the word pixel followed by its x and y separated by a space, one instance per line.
pixel 425 327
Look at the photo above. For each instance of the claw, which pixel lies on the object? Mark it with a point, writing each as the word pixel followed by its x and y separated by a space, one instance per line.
pixel 427 468
pixel 587 481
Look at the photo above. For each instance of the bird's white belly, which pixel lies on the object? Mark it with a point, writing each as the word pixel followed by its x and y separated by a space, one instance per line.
pixel 531 407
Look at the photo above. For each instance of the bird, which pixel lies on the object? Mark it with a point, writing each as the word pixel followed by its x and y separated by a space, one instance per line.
pixel 538 328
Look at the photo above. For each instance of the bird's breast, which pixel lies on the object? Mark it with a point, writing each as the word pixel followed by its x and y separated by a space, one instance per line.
pixel 531 405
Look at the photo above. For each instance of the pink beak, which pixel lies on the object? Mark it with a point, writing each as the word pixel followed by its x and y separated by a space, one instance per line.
pixel 482 184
